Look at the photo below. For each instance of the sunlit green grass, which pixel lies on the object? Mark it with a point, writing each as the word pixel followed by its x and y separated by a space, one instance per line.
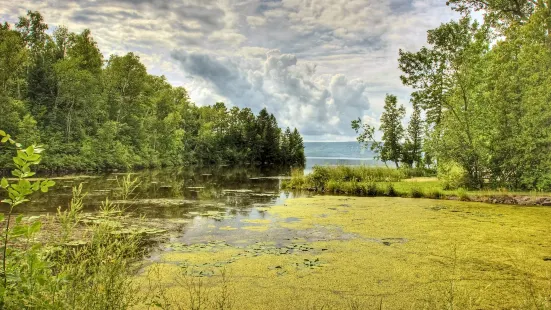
pixel 378 181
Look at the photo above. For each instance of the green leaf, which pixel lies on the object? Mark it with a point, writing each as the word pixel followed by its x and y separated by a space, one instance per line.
pixel 13 192
pixel 50 183
pixel 5 139
pixel 2 133
pixel 44 189
pixel 18 231
pixel 22 155
pixel 4 183
pixel 30 150
pixel 20 202
pixel 34 157
pixel 18 161
pixel 35 227
pixel 2 217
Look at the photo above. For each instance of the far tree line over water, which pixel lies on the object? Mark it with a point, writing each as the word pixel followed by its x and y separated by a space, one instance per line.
pixel 90 113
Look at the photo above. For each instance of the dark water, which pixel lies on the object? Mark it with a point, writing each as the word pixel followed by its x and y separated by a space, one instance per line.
pixel 212 204
pixel 171 193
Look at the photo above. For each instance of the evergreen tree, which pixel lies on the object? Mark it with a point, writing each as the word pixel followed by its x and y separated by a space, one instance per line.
pixel 117 116
pixel 413 145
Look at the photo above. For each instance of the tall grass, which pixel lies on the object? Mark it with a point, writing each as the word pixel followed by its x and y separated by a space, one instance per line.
pixel 347 179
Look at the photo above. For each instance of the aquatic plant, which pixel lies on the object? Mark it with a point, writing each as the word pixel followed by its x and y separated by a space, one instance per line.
pixel 21 268
pixel 92 270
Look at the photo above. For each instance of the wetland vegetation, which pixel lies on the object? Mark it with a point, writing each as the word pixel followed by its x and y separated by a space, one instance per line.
pixel 204 232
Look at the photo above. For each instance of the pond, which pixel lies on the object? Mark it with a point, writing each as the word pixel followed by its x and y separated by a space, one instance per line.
pixel 238 231
pixel 170 193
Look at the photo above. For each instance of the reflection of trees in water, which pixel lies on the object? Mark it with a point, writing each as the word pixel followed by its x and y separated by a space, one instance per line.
pixel 207 184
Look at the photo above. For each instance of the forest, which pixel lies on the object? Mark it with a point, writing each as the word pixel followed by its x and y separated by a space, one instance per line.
pixel 481 99
pixel 91 113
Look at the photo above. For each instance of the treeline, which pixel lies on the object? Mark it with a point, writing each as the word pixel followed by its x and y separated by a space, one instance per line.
pixel 485 92
pixel 58 91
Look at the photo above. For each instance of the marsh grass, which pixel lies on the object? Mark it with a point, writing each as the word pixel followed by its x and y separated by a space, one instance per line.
pixel 390 191
pixel 69 218
pixel 377 181
pixel 127 186
pixel 462 194
pixel 185 290
pixel 74 265
pixel 346 179
pixel 416 192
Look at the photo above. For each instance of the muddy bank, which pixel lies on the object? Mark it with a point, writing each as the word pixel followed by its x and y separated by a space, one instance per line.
pixel 506 199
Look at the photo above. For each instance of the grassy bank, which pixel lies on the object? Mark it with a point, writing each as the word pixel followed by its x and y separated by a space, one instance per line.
pixel 378 181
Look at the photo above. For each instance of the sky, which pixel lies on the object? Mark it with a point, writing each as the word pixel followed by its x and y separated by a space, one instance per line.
pixel 316 64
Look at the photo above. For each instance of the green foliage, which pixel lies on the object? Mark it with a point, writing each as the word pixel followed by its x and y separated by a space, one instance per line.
pixel 462 194
pixel 412 148
pixel 416 192
pixel 484 91
pixel 68 273
pixel 435 194
pixel 390 148
pixel 390 190
pixel 452 175
pixel 21 268
pixel 346 179
pixel 96 115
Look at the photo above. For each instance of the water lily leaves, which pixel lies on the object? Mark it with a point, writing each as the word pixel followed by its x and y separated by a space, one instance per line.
pixel 309 264
pixel 212 246
pixel 204 269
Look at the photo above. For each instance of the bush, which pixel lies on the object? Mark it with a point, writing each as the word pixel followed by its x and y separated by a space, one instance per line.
pixel 416 192
pixel 390 191
pixel 371 189
pixel 319 176
pixel 452 175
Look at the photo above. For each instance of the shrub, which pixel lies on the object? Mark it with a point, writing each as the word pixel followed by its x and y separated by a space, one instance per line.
pixel 371 189
pixel 390 190
pixel 416 192
pixel 452 175
pixel 319 176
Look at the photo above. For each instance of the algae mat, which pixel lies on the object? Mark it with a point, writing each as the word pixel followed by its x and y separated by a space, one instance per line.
pixel 368 253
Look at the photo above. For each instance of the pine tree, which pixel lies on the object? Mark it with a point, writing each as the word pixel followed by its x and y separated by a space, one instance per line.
pixel 412 148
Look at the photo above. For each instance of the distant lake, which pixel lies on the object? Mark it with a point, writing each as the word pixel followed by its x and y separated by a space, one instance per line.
pixel 338 153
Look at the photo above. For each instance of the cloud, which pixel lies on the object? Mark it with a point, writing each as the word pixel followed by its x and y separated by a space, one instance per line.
pixel 292 93
pixel 316 64
pixel 255 21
